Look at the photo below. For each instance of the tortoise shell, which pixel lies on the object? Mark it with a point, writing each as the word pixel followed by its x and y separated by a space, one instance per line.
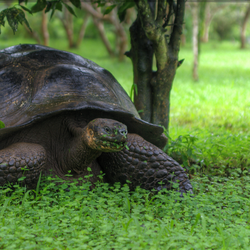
pixel 37 82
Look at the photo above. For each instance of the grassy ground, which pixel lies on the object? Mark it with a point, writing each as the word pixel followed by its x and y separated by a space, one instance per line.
pixel 114 218
pixel 210 136
pixel 220 100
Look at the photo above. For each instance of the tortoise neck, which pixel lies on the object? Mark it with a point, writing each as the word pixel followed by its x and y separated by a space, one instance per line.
pixel 80 155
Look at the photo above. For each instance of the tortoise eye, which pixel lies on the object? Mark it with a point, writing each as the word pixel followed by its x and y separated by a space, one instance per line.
pixel 107 129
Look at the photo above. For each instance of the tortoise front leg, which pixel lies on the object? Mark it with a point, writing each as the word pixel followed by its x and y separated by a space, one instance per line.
pixel 144 165
pixel 21 159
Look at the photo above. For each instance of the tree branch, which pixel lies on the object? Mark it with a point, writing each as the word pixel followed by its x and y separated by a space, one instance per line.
pixel 82 30
pixel 89 8
pixel 177 29
pixel 154 31
pixel 147 19
pixel 170 13
pixel 44 27
pixel 100 27
pixel 33 34
pixel 161 13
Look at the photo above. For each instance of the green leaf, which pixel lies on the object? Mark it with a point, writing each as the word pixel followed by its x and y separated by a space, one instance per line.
pixel 198 216
pixel 109 9
pixel 5 206
pixel 69 9
pixel 53 5
pixel 121 15
pixel 2 125
pixel 21 18
pixel 14 16
pixel 126 5
pixel 12 19
pixel 52 12
pixel 21 1
pixel 26 9
pixel 2 16
pixel 100 4
pixel 76 3
pixel 49 6
pixel 39 6
pixel 59 6
pixel 122 9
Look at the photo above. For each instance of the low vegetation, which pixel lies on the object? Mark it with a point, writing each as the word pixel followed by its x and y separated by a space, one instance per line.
pixel 111 217
pixel 209 135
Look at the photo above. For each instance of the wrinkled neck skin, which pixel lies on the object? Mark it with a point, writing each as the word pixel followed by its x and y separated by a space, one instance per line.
pixel 79 155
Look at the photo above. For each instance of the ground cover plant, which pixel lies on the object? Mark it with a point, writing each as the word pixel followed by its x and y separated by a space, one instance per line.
pixel 208 134
pixel 111 217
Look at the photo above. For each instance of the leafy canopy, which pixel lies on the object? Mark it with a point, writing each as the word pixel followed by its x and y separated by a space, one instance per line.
pixel 15 14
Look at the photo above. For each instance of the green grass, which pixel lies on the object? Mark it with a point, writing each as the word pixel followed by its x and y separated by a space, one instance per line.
pixel 209 131
pixel 216 109
pixel 220 99
pixel 111 217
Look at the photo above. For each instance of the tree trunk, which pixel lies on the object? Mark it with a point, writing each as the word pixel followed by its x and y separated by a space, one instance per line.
pixel 112 18
pixel 130 15
pixel 148 37
pixel 120 34
pixel 207 22
pixel 243 28
pixel 195 8
pixel 45 32
pixel 210 10
pixel 100 27
pixel 68 25
pixel 141 54
pixel 67 21
pixel 122 41
pixel 82 30
pixel 98 19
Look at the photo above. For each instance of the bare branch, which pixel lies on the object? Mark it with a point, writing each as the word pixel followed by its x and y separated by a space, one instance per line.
pixel 33 34
pixel 89 8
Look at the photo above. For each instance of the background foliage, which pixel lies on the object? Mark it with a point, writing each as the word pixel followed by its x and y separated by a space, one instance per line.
pixel 209 135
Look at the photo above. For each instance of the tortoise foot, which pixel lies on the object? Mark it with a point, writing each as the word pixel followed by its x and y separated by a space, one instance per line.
pixel 21 159
pixel 144 165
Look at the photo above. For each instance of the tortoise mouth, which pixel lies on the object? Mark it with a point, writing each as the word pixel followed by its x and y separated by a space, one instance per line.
pixel 109 145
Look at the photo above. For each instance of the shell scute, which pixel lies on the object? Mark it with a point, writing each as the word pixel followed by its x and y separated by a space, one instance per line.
pixel 37 81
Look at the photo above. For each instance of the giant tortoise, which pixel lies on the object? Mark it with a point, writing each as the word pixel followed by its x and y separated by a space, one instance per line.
pixel 65 113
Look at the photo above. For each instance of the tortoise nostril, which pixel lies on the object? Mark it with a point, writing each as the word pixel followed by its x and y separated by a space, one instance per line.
pixel 123 132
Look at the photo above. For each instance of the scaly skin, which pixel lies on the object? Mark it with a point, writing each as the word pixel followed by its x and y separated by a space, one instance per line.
pixel 19 156
pixel 144 165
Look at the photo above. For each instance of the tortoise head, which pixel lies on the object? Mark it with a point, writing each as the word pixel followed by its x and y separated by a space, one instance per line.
pixel 105 135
